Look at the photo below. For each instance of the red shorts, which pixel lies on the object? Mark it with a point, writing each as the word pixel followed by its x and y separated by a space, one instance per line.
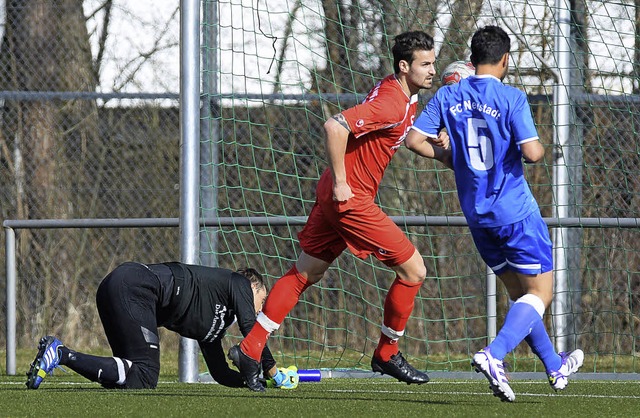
pixel 362 227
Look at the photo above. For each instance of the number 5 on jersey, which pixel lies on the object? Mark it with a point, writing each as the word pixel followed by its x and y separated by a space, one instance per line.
pixel 479 146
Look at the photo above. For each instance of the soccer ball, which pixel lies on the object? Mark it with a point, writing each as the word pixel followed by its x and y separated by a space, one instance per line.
pixel 456 71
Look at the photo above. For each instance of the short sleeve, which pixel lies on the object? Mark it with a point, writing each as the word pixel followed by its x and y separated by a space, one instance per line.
pixel 522 125
pixel 430 121
pixel 381 112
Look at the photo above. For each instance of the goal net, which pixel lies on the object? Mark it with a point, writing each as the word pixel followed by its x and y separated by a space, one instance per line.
pixel 274 71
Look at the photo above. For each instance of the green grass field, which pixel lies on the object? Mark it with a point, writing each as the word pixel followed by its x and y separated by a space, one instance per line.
pixel 71 396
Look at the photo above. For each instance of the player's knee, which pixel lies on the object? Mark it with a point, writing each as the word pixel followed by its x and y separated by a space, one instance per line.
pixel 416 274
pixel 420 274
pixel 546 298
pixel 419 270
pixel 413 270
pixel 313 277
pixel 133 375
pixel 140 376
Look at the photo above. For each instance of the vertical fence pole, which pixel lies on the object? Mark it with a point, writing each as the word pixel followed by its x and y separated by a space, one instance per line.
pixel 10 255
pixel 209 132
pixel 492 311
pixel 189 161
pixel 561 187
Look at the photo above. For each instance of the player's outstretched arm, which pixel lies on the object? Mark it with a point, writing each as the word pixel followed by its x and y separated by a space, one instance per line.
pixel 218 367
pixel 419 143
pixel 442 140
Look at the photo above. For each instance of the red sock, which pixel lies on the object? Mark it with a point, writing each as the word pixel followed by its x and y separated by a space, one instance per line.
pixel 386 348
pixel 283 297
pixel 397 309
pixel 254 342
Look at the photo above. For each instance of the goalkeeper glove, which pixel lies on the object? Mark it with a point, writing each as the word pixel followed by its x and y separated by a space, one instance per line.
pixel 285 378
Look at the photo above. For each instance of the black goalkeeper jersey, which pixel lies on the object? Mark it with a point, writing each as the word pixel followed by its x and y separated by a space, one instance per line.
pixel 200 303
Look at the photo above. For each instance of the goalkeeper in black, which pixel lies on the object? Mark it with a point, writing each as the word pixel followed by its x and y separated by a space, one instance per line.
pixel 135 299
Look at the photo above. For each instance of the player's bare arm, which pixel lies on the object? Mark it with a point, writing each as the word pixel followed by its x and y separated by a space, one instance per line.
pixel 420 144
pixel 336 136
pixel 532 151
pixel 442 140
pixel 342 121
pixel 444 156
pixel 423 146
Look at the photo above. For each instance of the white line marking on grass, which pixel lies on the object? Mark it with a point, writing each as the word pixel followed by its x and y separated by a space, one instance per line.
pixel 468 382
pixel 413 392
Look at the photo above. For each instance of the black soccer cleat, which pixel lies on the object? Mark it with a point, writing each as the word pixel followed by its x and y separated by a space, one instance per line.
pixel 248 367
pixel 399 368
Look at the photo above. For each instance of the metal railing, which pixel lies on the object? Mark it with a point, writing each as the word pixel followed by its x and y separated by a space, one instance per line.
pixel 457 221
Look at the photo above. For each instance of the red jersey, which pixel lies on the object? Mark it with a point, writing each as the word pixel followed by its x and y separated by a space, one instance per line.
pixel 378 128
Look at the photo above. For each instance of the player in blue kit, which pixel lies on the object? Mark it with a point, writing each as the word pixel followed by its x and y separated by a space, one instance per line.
pixel 491 130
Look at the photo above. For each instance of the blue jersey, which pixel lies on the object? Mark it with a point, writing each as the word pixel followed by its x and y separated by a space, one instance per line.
pixel 486 121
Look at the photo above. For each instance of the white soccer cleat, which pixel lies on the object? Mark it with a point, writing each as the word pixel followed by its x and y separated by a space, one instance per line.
pixel 571 362
pixel 493 369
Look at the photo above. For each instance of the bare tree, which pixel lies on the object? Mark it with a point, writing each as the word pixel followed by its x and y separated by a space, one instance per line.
pixel 636 63
pixel 46 48
pixel 105 8
pixel 464 18
pixel 288 31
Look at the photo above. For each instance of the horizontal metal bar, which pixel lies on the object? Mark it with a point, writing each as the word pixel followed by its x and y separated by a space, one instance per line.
pixel 303 97
pixel 291 220
pixel 84 95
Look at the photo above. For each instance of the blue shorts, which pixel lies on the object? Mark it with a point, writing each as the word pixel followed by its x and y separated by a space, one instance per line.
pixel 523 247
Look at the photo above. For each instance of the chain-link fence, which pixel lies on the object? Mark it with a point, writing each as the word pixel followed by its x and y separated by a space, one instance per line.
pixel 83 136
pixel 89 129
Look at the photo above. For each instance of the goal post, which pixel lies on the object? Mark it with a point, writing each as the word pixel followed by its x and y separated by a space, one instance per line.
pixel 277 70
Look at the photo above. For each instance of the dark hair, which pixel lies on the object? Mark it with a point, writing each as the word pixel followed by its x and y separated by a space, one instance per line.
pixel 488 45
pixel 406 44
pixel 253 276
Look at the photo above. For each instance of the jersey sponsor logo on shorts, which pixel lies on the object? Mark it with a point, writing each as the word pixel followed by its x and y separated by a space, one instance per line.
pixel 360 123
pixel 382 251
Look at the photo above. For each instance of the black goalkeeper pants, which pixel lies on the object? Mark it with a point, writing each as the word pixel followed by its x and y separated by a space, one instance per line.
pixel 127 299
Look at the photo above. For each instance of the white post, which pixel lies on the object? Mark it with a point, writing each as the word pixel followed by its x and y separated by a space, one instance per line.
pixel 561 302
pixel 189 161
pixel 10 255
pixel 492 311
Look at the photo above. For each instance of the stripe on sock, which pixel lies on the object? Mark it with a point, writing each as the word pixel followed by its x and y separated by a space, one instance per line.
pixel 533 301
pixel 122 374
pixel 268 325
pixel 391 333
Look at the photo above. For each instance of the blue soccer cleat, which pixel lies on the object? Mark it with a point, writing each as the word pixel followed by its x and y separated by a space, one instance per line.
pixel 571 362
pixel 493 369
pixel 47 359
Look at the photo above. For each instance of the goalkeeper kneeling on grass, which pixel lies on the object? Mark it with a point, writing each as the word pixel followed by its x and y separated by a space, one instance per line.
pixel 197 302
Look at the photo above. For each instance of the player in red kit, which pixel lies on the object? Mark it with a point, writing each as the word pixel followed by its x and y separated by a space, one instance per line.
pixel 360 143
